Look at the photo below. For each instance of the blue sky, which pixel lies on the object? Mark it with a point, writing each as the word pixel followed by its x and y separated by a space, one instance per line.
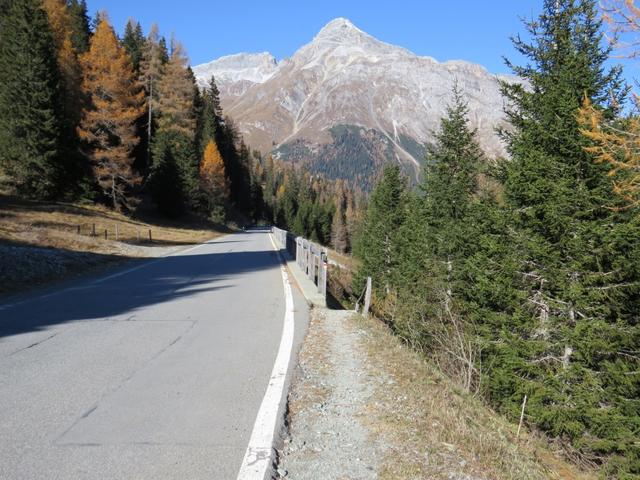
pixel 462 29
pixel 477 31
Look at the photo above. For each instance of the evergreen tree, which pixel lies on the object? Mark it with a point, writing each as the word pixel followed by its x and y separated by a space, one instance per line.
pixel 211 113
pixel 375 246
pixel 165 183
pixel 134 43
pixel 73 165
pixel 81 32
pixel 177 118
pixel 288 201
pixel 436 241
pixel 198 110
pixel 31 123
pixel 450 182
pixel 175 95
pixel 339 234
pixel 108 127
pixel 576 267
pixel 242 178
pixel 151 67
pixel 236 162
pixel 439 227
pixel 60 21
pixel 164 51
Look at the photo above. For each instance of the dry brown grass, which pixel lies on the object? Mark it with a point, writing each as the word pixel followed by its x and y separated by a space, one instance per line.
pixel 56 225
pixel 68 230
pixel 437 431
pixel 345 260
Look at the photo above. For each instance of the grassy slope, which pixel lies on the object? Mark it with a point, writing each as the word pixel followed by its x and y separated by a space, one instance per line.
pixel 53 229
pixel 434 427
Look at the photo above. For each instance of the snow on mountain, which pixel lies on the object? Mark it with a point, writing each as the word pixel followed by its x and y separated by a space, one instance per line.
pixel 241 70
pixel 346 93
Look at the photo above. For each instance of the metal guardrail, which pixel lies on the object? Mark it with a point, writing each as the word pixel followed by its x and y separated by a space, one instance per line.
pixel 310 257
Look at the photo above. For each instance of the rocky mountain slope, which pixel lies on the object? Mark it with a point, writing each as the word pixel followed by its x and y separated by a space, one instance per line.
pixel 347 103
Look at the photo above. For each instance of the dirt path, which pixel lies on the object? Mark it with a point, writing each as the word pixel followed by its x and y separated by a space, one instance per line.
pixel 328 406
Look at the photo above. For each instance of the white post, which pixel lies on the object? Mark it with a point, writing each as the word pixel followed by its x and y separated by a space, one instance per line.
pixel 524 404
pixel 367 298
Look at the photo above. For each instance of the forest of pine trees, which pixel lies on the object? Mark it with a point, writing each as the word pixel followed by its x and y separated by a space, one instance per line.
pixel 310 206
pixel 86 115
pixel 522 276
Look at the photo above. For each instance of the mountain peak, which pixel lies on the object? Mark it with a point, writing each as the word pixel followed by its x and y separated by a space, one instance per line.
pixel 338 28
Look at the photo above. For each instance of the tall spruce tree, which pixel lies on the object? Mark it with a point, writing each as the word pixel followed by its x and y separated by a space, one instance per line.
pixel 151 68
pixel 74 165
pixel 80 25
pixel 133 42
pixel 177 118
pixel 31 120
pixel 451 174
pixel 577 260
pixel 211 113
pixel 439 234
pixel 165 182
pixel 377 239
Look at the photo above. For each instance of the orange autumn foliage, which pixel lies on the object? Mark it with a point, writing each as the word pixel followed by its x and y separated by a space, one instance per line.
pixel 68 63
pixel 618 143
pixel 213 176
pixel 618 146
pixel 108 127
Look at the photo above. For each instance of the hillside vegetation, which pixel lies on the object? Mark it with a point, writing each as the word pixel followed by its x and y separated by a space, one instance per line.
pixel 521 281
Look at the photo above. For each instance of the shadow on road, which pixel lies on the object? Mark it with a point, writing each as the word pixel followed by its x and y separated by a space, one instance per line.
pixel 158 282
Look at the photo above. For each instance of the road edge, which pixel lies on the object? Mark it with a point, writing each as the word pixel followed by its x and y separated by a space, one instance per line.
pixel 260 454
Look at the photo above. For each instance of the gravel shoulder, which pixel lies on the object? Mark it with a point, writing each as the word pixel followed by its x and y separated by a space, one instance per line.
pixel 365 406
pixel 328 406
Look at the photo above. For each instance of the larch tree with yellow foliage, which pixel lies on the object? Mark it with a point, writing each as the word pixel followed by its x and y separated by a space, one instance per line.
pixel 67 57
pixel 108 126
pixel 617 142
pixel 213 181
pixel 175 91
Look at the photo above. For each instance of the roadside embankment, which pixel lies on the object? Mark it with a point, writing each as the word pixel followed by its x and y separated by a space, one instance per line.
pixel 365 406
pixel 46 242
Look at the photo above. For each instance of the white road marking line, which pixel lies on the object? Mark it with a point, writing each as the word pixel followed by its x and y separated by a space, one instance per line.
pixel 259 454
pixel 146 264
pixel 124 272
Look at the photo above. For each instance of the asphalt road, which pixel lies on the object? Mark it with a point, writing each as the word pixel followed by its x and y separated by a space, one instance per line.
pixel 155 373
